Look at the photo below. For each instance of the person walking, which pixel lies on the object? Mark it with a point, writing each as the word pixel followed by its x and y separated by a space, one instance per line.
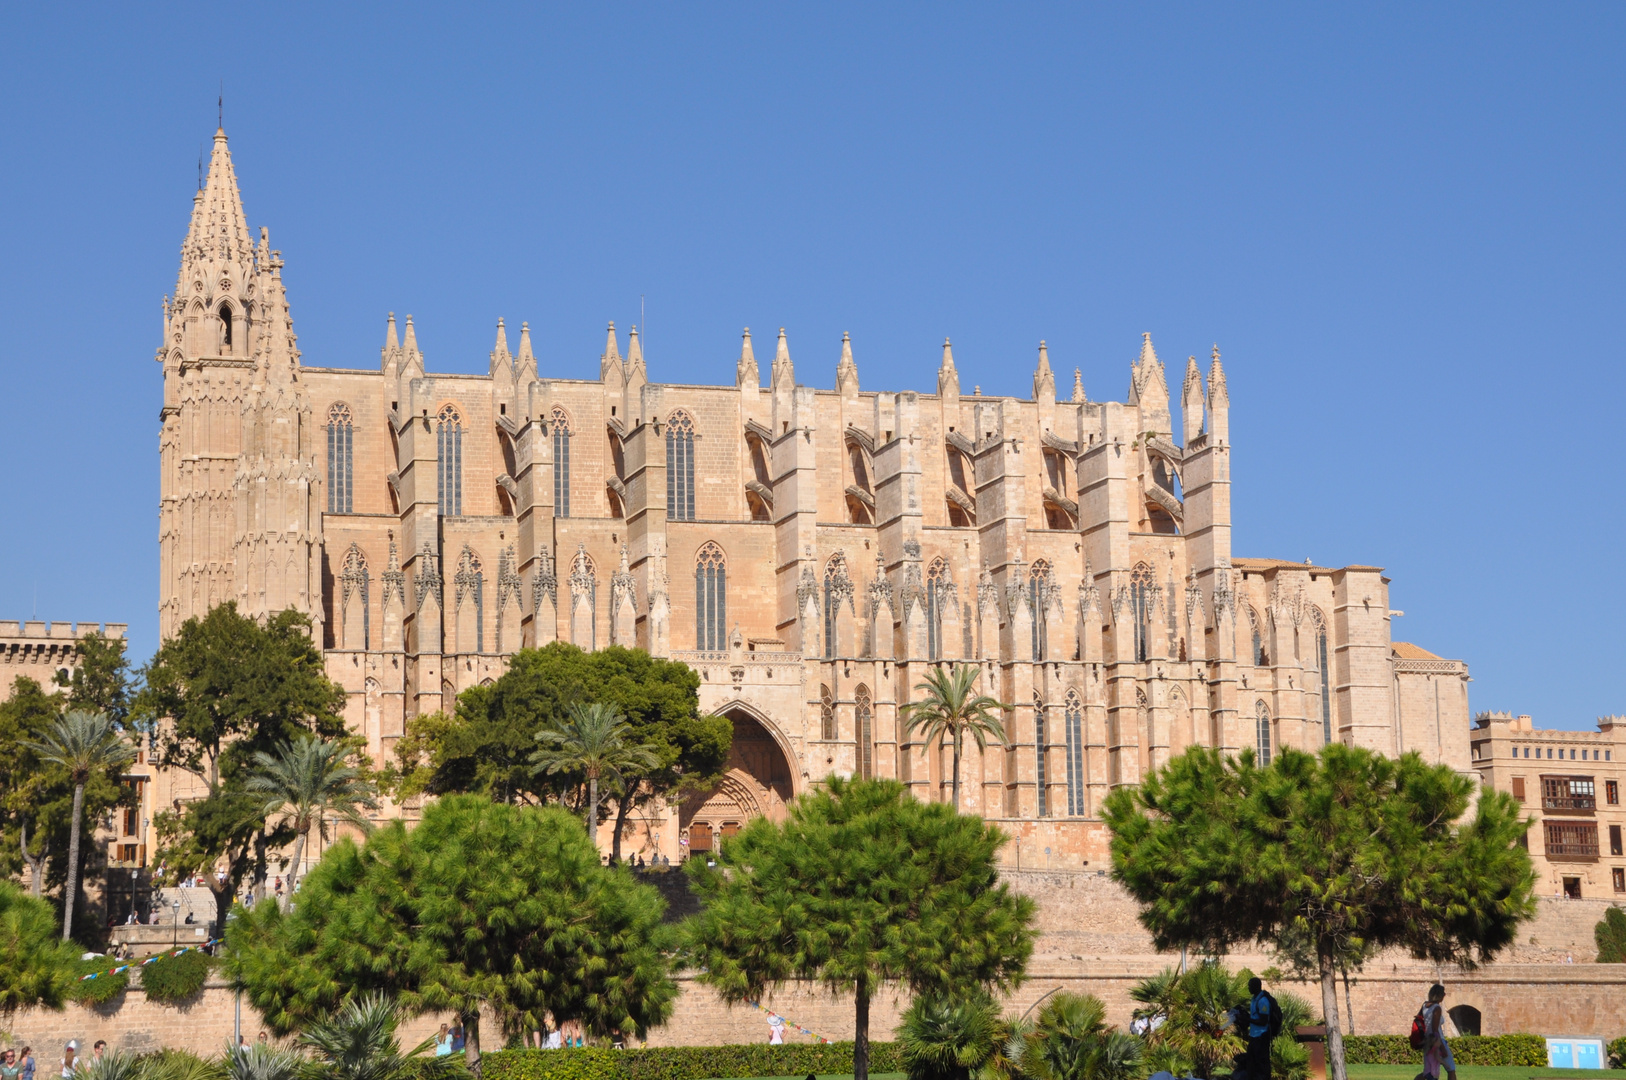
pixel 458 1038
pixel 68 1063
pixel 443 1041
pixel 1264 1022
pixel 1436 1051
pixel 8 1066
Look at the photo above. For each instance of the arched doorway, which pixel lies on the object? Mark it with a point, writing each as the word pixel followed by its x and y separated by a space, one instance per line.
pixel 756 783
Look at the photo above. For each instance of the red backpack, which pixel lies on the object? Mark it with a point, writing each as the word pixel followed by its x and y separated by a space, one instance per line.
pixel 1419 1029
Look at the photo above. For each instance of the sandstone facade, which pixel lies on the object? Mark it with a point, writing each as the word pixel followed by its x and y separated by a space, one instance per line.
pixel 809 551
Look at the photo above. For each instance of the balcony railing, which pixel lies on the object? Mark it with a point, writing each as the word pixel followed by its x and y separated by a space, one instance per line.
pixel 1569 802
pixel 1574 850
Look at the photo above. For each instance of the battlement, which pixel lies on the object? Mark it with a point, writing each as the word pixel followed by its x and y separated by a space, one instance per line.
pixel 11 629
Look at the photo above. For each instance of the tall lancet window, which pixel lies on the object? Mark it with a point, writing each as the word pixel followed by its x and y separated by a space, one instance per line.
pixel 1321 659
pixel 1040 745
pixel 1262 734
pixel 340 471
pixel 561 463
pixel 1038 595
pixel 1140 603
pixel 864 725
pixel 937 581
pixel 449 444
pixel 1073 718
pixel 680 467
pixel 710 600
pixel 225 330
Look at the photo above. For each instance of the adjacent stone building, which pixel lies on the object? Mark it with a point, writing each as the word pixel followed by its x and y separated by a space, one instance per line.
pixel 811 552
pixel 1569 783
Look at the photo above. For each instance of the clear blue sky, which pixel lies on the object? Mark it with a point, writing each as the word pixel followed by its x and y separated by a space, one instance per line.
pixel 1402 224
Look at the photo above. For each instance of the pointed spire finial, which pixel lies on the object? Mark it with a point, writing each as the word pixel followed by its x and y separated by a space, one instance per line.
pixel 410 343
pixel 1044 380
pixel 846 370
pixel 1217 393
pixel 502 337
pixel 1078 386
pixel 745 369
pixel 391 342
pixel 611 350
pixel 525 342
pixel 784 373
pixel 948 379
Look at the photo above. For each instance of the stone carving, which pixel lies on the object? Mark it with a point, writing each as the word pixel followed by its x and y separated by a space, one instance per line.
pixel 428 576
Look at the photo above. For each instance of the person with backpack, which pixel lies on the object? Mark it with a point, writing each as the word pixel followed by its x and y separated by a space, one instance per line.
pixel 1428 1035
pixel 1264 1024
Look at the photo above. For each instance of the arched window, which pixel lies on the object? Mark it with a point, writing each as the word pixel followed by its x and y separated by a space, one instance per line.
pixel 1141 585
pixel 225 329
pixel 1321 659
pixel 1040 745
pixel 827 714
pixel 864 724
pixel 1260 657
pixel 339 468
pixel 449 444
pixel 561 463
pixel 1038 597
pixel 710 599
pixel 1262 711
pixel 680 467
pixel 1073 718
pixel 937 581
pixel 860 498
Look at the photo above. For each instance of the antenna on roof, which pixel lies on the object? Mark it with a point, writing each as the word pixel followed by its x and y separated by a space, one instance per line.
pixel 200 166
pixel 641 319
pixel 220 105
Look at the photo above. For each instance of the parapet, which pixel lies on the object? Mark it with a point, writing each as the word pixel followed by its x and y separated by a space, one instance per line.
pixel 61 631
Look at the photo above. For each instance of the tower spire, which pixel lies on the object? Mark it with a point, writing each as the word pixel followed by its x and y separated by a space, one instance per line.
pixel 635 352
pixel 611 355
pixel 783 372
pixel 1078 386
pixel 1191 402
pixel 525 362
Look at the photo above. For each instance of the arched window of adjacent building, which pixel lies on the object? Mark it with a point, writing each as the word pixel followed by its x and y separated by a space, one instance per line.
pixel 226 329
pixel 1073 720
pixel 1060 511
pixel 340 471
pixel 1041 744
pixel 1260 657
pixel 449 445
pixel 560 421
pixel 710 599
pixel 680 467
pixel 1324 668
pixel 827 714
pixel 838 590
pixel 864 724
pixel 1141 596
pixel 937 582
pixel 1039 582
pixel 1262 732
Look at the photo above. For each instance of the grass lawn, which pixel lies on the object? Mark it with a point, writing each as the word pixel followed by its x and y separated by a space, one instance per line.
pixel 1474 1072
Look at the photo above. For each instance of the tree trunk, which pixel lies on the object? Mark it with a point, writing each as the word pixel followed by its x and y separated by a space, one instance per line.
pixel 861 1035
pixel 591 817
pixel 956 772
pixel 258 889
pixel 72 886
pixel 224 895
pixel 1329 1006
pixel 293 866
pixel 471 1041
pixel 621 807
pixel 36 864
pixel 1349 1003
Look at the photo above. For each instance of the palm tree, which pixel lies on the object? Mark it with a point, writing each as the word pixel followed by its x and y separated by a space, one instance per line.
pixel 592 740
pixel 358 1043
pixel 952 709
pixel 84 743
pixel 305 783
pixel 262 1061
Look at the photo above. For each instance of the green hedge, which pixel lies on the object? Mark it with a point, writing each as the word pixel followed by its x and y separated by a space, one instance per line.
pixel 101 989
pixel 175 977
pixel 1617 1053
pixel 1523 1050
pixel 685 1062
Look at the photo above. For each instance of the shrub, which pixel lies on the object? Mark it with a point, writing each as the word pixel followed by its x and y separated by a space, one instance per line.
pixel 175 977
pixel 685 1062
pixel 1617 1053
pixel 949 1038
pixel 105 987
pixel 1521 1050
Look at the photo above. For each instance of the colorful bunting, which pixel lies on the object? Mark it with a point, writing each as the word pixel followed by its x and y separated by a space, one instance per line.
pixel 790 1023
pixel 150 959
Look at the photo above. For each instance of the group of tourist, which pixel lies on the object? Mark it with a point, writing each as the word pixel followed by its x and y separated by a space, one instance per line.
pixel 1263 1022
pixel 19 1065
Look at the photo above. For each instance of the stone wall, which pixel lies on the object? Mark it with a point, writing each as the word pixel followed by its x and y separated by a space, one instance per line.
pixel 1090 942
